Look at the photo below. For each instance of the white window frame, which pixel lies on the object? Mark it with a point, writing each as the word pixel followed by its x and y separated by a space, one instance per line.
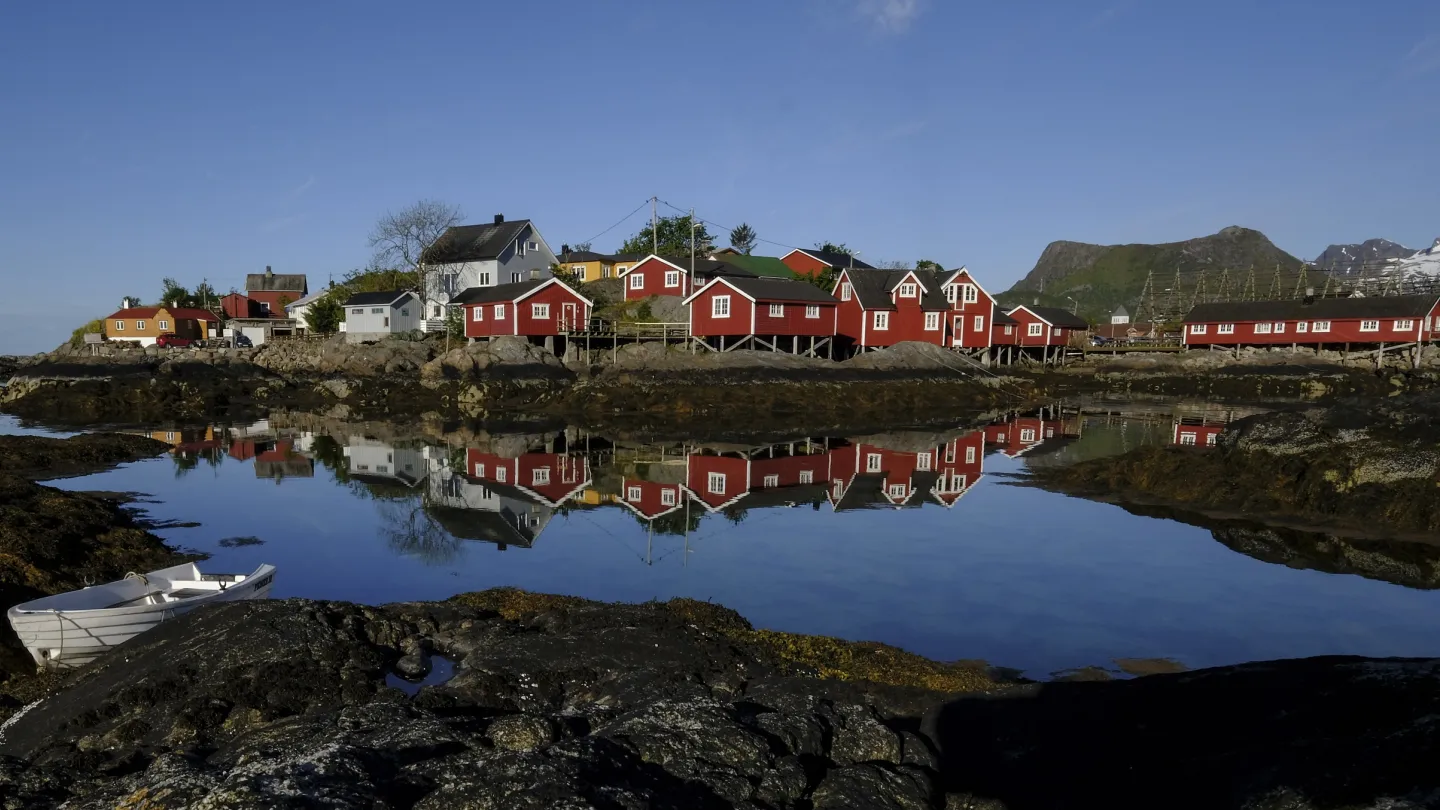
pixel 162 325
pixel 932 321
pixel 1028 436
pixel 1010 329
pixel 633 494
pixel 540 477
pixel 1225 329
pixel 477 313
pixel 970 294
pixel 950 293
pixel 970 455
pixel 1187 439
pixel 845 292
pixel 812 311
pixel 479 469
pixel 1197 328
pixel 771 481
pixel 119 326
pixel 923 462
pixel 874 462
pixel 1279 327
pixel 720 306
pixel 1370 326
pixel 620 268
pixel 140 326
pixel 1262 328
pixel 667 497
pixel 672 278
pixel 499 312
pixel 377 310
pixel 807 476
pixel 637 281
pixel 532 245
pixel 882 322
pixel 715 483
pixel 907 290
pixel 1320 326
pixel 357 311
pixel 501 474
pixel 1302 327
pixel 979 323
pixel 1404 326
pixel 897 491
pixel 1035 330
pixel 540 311
pixel 777 310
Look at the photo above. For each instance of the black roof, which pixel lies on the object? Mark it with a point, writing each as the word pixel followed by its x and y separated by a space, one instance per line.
pixel 1383 306
pixel 1001 319
pixel 873 288
pixel 500 292
pixel 1059 317
pixel 500 528
pixel 839 261
pixel 276 282
pixel 592 256
pixel 471 243
pixel 366 299
pixel 707 268
pixel 779 289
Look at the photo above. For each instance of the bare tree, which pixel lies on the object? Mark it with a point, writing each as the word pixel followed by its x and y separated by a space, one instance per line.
pixel 401 238
pixel 894 265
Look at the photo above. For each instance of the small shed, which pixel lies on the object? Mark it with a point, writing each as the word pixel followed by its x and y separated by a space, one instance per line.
pixel 543 308
pixel 373 316
pixel 775 312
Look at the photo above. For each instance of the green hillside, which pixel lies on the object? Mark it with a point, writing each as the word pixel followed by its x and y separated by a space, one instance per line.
pixel 1100 277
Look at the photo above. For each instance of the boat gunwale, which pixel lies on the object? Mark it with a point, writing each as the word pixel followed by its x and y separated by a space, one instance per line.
pixel 20 612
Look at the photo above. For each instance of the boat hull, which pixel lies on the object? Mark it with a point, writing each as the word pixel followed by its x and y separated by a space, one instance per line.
pixel 60 639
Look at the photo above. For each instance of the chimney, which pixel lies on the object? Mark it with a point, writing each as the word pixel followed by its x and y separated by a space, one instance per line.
pixel 268 271
pixel 564 250
pixel 124 303
pixel 1309 295
pixel 499 219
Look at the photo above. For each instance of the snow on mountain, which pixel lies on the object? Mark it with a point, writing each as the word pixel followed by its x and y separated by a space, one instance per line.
pixel 1424 264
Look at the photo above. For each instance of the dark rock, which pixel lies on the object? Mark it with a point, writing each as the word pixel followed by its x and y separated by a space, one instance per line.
pixel 521 732
pixel 41 457
pixel 873 787
pixel 861 737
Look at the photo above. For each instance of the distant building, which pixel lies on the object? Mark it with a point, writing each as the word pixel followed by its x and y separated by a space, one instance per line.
pixel 273 291
pixel 377 315
pixel 143 324
pixel 1119 316
pixel 485 255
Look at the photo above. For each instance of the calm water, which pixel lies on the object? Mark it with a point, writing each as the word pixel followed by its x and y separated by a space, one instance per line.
pixel 911 538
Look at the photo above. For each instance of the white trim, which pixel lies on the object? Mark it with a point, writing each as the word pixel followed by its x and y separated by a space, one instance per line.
pixel 910 275
pixel 712 282
pixel 971 276
pixel 553 280
pixel 1032 312
pixel 715 307
pixel 632 267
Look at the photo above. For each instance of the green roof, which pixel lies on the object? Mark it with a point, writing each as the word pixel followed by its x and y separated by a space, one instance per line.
pixel 763 266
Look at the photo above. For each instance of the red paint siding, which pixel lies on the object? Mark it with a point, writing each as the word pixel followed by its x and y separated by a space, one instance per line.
pixel 1020 434
pixel 552 476
pixel 271 299
pixel 1050 336
pixel 744 314
pixel 1196 435
pixel 1004 334
pixel 790 471
pixel 651 273
pixel 735 484
pixel 553 296
pixel 648 498
pixel 1345 330
pixel 804 264
pixel 962 315
pixel 906 321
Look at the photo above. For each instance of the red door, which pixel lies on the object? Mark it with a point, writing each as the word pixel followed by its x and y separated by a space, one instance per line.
pixel 567 317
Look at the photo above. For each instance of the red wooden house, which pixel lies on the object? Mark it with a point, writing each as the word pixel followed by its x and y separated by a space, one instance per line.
pixel 550 478
pixel 716 480
pixel 239 305
pixel 657 275
pixel 775 312
pixel 972 310
pixel 651 499
pixel 788 469
pixel 866 475
pixel 537 308
pixel 1046 326
pixel 1004 330
pixel 880 308
pixel 1021 434
pixel 961 463
pixel 273 291
pixel 1192 432
pixel 814 262
pixel 1317 322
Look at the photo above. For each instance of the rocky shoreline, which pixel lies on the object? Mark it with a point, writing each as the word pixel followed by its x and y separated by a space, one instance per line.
pixel 555 702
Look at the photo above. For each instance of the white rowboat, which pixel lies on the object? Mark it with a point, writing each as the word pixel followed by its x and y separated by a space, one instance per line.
pixel 73 628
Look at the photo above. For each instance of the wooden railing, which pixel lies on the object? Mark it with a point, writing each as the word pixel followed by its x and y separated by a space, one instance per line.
pixel 635 330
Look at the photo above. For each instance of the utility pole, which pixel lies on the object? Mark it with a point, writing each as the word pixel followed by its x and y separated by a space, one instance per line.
pixel 692 251
pixel 654 227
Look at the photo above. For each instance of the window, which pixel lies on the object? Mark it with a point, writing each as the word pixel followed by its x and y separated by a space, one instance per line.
pixel 922 462
pixel 1262 328
pixel 478 314
pixel 541 311
pixel 632 493
pixel 377 310
pixel 777 310
pixel 872 462
pixel 957 483
pixel 532 245
pixel 1035 330
pixel 515 278
pixel 897 490
pixel 170 436
pixel 845 291
pixel 812 312
pixel 140 326
pixel 1280 327
pixel 499 312
pixel 483 279
pixel 119 326
pixel 357 311
pixel 1055 332
pixel 1197 329
pixel 807 476
pixel 479 470
pixel 969 293
pixel 579 269
pixel 979 323
pixel 970 455
pixel 1027 435
pixel 605 271
pixel 1320 326
pixel 932 321
pixel 165 325
pixel 1225 329
pixel 1000 438
pixel 772 481
pixel 404 312
pixel 720 306
pixel 672 278
pixel 1009 330
pixel 1369 326
pixel 950 293
pixel 1400 326
pixel 637 281
pixel 519 248
pixel 1210 439
pixel 715 483
pixel 907 290
pixel 435 311
pixel 1187 439
pixel 667 497
pixel 1302 327
pixel 500 474
pixel 882 321
pixel 950 453
pixel 540 476
pixel 620 268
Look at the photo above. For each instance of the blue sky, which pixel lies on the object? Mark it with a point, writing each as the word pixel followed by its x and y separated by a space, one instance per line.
pixel 203 142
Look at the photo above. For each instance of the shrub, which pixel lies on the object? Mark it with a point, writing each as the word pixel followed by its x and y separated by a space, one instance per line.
pixel 95 327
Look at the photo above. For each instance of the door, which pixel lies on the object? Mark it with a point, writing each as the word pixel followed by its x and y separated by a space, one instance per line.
pixel 958 333
pixel 567 317
pixel 255 333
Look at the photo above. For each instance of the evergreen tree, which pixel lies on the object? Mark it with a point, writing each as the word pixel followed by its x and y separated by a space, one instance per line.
pixel 742 238
pixel 324 315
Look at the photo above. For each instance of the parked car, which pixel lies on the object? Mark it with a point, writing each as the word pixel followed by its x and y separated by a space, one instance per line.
pixel 243 342
pixel 170 340
pixel 1100 340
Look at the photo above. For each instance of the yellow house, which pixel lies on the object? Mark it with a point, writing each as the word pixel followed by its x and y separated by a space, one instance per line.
pixel 583 265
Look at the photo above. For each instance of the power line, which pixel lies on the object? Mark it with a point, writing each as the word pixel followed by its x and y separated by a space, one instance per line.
pixel 621 222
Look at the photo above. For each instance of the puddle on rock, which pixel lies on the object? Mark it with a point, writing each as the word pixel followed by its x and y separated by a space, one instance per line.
pixel 442 669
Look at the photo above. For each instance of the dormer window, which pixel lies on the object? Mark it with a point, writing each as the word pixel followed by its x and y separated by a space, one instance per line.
pixel 970 293
pixel 907 290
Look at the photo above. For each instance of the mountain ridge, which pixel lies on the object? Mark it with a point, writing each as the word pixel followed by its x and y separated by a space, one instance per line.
pixel 1353 257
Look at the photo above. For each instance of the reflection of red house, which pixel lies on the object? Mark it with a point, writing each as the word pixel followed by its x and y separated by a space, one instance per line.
pixel 961 466
pixel 717 481
pixel 649 499
pixel 1196 432
pixel 1020 435
pixel 789 471
pixel 552 478
pixel 865 475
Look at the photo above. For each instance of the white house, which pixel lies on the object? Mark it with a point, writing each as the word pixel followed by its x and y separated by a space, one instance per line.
pixel 377 461
pixel 297 309
pixel 371 316
pixel 471 509
pixel 467 256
